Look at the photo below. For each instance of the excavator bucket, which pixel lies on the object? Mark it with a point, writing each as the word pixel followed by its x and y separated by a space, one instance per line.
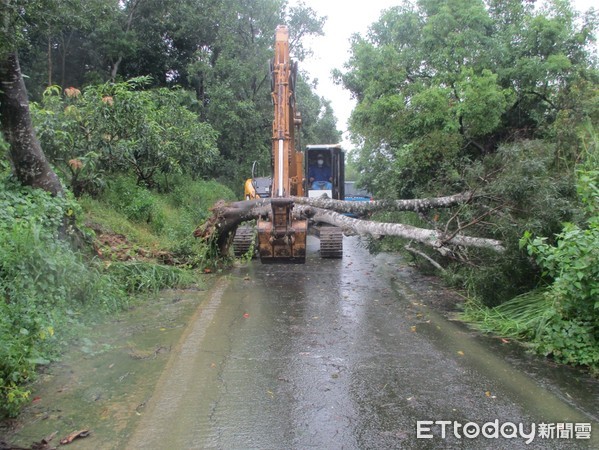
pixel 281 238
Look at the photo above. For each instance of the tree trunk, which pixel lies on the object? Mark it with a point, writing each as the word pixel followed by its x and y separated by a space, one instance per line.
pixel 29 162
pixel 49 60
pixel 431 238
pixel 225 219
pixel 227 216
pixel 115 68
pixel 364 208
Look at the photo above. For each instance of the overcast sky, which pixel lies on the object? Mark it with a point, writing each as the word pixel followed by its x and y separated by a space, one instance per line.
pixel 344 18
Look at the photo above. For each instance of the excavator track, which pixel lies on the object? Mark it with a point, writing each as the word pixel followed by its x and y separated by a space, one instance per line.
pixel 243 240
pixel 331 242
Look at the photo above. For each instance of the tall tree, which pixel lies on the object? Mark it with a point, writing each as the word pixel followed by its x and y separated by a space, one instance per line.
pixel 441 81
pixel 28 160
pixel 218 48
pixel 231 78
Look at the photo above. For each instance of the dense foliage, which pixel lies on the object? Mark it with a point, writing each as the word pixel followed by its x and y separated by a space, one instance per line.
pixel 48 290
pixel 561 318
pixel 440 82
pixel 43 284
pixel 216 51
pixel 499 98
pixel 494 97
pixel 138 103
pixel 119 127
pixel 573 265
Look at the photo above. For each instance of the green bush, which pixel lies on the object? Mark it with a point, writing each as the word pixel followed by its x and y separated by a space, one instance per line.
pixel 561 320
pixel 136 202
pixel 190 202
pixel 165 221
pixel 573 266
pixel 44 285
pixel 123 127
pixel 521 182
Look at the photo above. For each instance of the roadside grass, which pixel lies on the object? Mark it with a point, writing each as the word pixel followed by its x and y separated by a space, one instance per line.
pixel 49 293
pixel 143 277
pixel 523 317
pixel 99 213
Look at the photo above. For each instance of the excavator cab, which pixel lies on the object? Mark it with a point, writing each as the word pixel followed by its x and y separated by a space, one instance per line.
pixel 325 176
pixel 325 171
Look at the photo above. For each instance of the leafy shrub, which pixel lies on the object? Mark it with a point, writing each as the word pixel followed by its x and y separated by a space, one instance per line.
pixel 43 285
pixel 563 319
pixel 120 127
pixel 191 201
pixel 136 202
pixel 573 265
pixel 169 219
pixel 521 183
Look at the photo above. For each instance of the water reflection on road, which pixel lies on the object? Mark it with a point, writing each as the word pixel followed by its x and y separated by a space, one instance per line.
pixel 344 354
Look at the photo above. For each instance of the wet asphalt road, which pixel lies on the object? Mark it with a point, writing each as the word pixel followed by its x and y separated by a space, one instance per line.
pixel 345 354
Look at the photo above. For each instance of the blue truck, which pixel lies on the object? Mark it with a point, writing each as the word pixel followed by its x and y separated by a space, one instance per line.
pixel 353 194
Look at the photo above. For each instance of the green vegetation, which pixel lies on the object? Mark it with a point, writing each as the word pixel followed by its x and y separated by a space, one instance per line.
pixel 138 111
pixel 117 127
pixel 44 285
pixel 149 118
pixel 498 98
pixel 49 290
pixel 561 319
pixel 160 221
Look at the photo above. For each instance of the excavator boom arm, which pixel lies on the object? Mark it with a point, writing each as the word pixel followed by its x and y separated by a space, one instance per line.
pixel 281 236
pixel 287 163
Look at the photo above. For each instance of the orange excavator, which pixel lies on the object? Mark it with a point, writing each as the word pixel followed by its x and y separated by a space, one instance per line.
pixel 282 233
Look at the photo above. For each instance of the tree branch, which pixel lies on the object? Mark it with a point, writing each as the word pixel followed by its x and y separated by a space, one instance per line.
pixel 227 216
pixel 425 256
pixel 432 238
pixel 364 208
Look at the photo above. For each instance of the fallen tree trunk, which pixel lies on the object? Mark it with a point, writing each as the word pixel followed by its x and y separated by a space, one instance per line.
pixel 365 208
pixel 431 238
pixel 226 217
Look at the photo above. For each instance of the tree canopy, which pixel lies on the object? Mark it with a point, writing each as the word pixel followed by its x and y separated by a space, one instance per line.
pixel 440 82
pixel 217 49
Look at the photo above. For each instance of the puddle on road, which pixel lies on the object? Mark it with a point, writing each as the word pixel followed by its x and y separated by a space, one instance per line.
pixel 105 378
